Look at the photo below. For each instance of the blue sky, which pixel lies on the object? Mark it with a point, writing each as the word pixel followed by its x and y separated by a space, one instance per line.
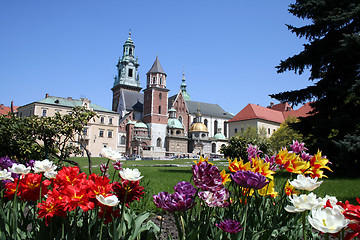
pixel 228 49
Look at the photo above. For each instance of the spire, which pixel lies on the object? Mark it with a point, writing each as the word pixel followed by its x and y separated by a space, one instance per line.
pixel 183 88
pixel 127 67
pixel 156 67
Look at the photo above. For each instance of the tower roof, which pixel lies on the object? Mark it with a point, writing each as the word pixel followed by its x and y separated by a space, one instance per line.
pixel 156 67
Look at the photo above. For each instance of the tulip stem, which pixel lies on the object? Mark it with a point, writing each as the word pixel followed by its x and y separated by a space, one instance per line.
pixel 102 222
pixel 303 223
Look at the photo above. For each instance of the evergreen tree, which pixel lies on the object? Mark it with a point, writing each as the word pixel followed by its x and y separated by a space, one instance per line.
pixel 332 55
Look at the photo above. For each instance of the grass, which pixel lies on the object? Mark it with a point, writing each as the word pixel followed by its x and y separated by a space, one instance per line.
pixel 163 178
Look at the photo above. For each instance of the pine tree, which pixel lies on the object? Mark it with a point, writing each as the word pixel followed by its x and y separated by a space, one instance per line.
pixel 332 56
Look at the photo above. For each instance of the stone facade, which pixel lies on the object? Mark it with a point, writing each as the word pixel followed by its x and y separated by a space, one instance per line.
pixel 102 131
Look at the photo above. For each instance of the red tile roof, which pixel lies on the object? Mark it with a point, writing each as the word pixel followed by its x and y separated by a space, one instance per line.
pixel 5 110
pixel 301 112
pixel 252 111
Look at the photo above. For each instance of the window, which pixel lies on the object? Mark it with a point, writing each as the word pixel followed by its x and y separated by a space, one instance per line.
pixel 160 81
pixel 130 73
pixel 213 148
pixel 44 112
pixel 122 140
pixel 159 109
pixel 85 131
pixel 180 119
pixel 269 131
pixel 206 122
pixel 110 133
pixel 153 80
pixel 130 51
pixel 215 127
pixel 101 119
pixel 158 142
pixel 160 95
pixel 236 130
pixel 101 133
pixel 110 121
pixel 225 129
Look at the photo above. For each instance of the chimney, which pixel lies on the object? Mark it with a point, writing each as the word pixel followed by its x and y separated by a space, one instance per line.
pixel 46 95
pixel 271 104
pixel 12 107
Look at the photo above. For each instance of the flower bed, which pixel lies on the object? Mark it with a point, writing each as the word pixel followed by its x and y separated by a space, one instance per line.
pixel 37 201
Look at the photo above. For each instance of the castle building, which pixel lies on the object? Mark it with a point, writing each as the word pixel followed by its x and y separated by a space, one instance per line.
pixel 100 132
pixel 154 124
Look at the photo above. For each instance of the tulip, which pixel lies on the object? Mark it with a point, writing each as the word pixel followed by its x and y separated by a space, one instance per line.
pixel 19 169
pixel 5 175
pixel 44 166
pixel 328 220
pixel 110 201
pixel 304 202
pixel 305 183
pixel 130 174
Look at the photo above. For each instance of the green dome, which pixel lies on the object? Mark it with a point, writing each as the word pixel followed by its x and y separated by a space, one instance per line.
pixel 131 122
pixel 140 125
pixel 219 136
pixel 174 123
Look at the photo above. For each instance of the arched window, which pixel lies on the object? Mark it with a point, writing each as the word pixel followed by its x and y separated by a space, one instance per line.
pixel 206 122
pixel 180 119
pixel 122 140
pixel 213 148
pixel 215 127
pixel 158 142
pixel 159 109
pixel 130 51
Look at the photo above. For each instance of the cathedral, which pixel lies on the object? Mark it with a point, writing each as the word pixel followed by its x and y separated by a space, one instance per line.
pixel 153 124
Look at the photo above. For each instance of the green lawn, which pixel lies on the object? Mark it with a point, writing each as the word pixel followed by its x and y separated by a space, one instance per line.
pixel 161 178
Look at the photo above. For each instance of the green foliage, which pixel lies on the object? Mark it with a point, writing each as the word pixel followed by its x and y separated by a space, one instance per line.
pixel 238 144
pixel 284 136
pixel 42 137
pixel 333 56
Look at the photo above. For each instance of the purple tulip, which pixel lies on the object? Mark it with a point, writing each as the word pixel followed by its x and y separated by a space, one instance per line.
pixel 253 152
pixel 297 147
pixel 185 188
pixel 104 168
pixel 117 165
pixel 173 202
pixel 230 226
pixel 6 163
pixel 249 179
pixel 215 199
pixel 207 177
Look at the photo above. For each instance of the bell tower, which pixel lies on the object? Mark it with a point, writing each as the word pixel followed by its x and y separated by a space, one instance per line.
pixel 127 72
pixel 156 105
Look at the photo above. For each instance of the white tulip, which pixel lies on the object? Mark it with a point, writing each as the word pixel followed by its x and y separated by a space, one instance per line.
pixel 108 201
pixel 19 169
pixel 305 183
pixel 110 154
pixel 44 166
pixel 130 174
pixel 50 175
pixel 304 202
pixel 328 220
pixel 5 175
